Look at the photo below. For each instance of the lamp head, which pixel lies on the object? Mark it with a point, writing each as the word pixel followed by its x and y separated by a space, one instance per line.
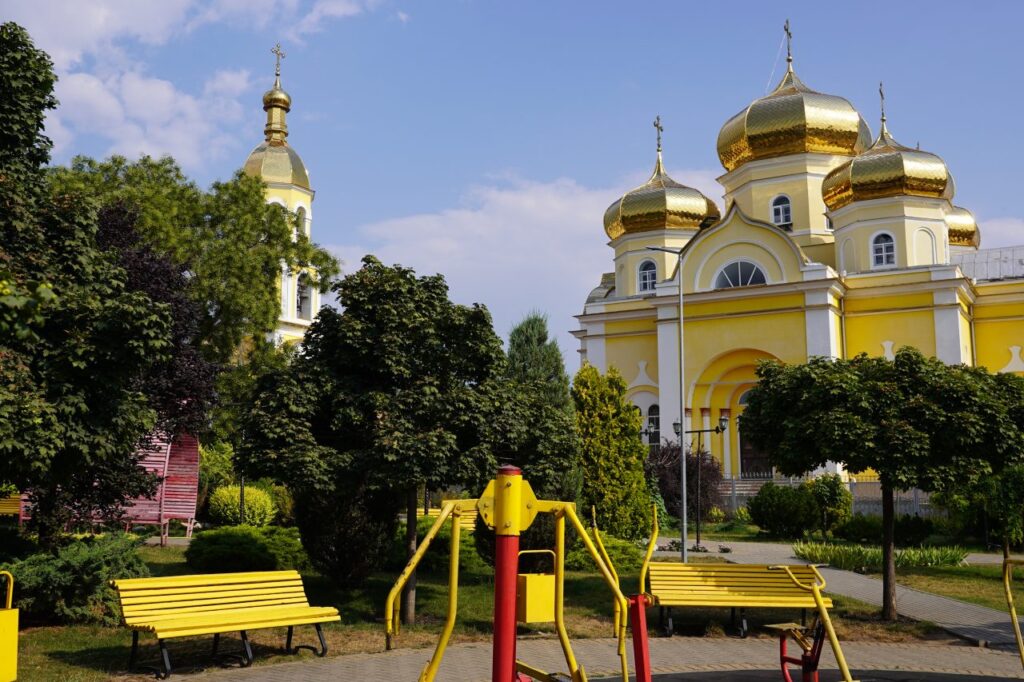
pixel 723 423
pixel 676 427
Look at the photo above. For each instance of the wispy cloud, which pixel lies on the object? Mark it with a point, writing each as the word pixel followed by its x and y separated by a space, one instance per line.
pixel 1002 231
pixel 515 245
pixel 322 11
pixel 403 17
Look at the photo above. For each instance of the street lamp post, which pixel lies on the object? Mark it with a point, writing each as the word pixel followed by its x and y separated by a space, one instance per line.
pixel 682 396
pixel 723 424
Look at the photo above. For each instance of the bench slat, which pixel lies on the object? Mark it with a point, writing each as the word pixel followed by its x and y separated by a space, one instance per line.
pixel 730 585
pixel 193 604
pixel 205 579
pixel 163 592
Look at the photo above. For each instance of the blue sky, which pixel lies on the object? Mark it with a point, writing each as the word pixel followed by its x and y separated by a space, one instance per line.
pixel 484 139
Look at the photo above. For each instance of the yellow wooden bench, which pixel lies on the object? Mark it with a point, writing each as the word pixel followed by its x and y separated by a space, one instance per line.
pixel 211 604
pixel 732 586
pixel 11 506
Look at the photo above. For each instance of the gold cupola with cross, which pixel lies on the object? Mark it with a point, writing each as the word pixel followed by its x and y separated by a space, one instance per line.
pixel 278 164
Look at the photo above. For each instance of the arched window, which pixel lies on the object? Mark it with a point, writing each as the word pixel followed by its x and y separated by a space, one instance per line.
pixel 303 298
pixel 654 425
pixel 782 212
pixel 300 219
pixel 883 250
pixel 739 274
pixel 648 275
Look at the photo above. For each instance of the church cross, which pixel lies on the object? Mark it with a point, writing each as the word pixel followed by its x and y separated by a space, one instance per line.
pixel 279 53
pixel 789 43
pixel 659 128
pixel 881 96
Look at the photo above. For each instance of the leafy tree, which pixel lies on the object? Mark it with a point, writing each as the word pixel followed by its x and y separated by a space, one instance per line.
pixel 400 390
pixel 663 468
pixel 71 412
pixel 915 421
pixel 540 428
pixel 231 242
pixel 833 499
pixel 612 454
pixel 784 511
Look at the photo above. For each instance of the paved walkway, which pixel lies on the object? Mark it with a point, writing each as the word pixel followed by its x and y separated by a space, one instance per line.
pixel 735 659
pixel 977 624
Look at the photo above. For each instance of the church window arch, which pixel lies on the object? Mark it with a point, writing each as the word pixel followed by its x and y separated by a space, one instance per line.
pixel 654 425
pixel 647 276
pixel 883 250
pixel 782 212
pixel 300 220
pixel 740 273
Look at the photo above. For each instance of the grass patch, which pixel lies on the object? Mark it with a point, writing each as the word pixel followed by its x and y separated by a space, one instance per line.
pixel 865 559
pixel 981 584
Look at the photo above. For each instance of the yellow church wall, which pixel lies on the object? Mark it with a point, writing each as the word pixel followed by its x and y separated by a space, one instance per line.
pixel 856 304
pixel 966 340
pixel 866 333
pixel 631 251
pixel 625 352
pixel 994 343
pixel 743 305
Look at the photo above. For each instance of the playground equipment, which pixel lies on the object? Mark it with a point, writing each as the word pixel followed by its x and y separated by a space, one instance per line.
pixel 1008 565
pixel 8 634
pixel 509 506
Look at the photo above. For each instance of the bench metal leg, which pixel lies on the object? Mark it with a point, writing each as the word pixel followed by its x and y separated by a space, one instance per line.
pixel 135 651
pixel 247 657
pixel 216 643
pixel 321 652
pixel 744 630
pixel 670 629
pixel 165 658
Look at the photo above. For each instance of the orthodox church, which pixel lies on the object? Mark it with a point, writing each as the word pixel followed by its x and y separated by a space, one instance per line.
pixel 833 242
pixel 287 180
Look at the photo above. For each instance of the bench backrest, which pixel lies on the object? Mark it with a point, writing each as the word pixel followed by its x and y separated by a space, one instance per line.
pixel 145 600
pixel 696 581
pixel 10 506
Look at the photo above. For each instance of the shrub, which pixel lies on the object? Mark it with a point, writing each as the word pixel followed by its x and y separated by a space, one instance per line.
pixel 626 557
pixel 834 500
pixel 869 559
pixel 14 544
pixel 784 511
pixel 246 548
pixel 216 468
pixel 716 515
pixel 282 499
pixel 742 515
pixel 259 508
pixel 72 584
pixel 662 466
pixel 439 554
pixel 910 530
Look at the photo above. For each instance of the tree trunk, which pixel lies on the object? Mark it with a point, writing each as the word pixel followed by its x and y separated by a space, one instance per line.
pixel 409 595
pixel 888 554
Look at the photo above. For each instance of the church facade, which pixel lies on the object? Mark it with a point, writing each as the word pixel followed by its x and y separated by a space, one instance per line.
pixel 287 179
pixel 832 242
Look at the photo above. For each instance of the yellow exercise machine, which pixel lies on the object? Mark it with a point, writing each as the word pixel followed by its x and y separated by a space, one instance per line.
pixel 8 634
pixel 509 506
pixel 1008 565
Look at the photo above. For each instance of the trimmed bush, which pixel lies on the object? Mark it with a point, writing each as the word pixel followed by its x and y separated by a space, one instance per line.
pixel 834 500
pixel 869 559
pixel 742 515
pixel 626 557
pixel 783 511
pixel 438 555
pixel 715 515
pixel 72 586
pixel 910 530
pixel 246 548
pixel 259 508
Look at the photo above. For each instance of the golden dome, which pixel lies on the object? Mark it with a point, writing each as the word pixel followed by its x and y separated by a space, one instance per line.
pixel 276 162
pixel 963 229
pixel 661 203
pixel 887 169
pixel 273 160
pixel 792 119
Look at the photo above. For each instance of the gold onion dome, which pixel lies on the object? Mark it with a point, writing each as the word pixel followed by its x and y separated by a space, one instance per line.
pixel 273 159
pixel 661 203
pixel 963 229
pixel 887 169
pixel 792 119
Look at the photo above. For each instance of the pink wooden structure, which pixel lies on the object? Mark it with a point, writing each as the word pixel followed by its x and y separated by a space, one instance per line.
pixel 177 465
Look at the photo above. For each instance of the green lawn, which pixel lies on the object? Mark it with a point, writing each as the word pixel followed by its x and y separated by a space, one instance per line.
pixel 86 653
pixel 981 584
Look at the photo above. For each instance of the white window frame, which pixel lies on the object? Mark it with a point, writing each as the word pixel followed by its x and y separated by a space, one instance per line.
pixel 303 312
pixel 654 425
pixel 789 209
pixel 872 255
pixel 721 271
pixel 640 272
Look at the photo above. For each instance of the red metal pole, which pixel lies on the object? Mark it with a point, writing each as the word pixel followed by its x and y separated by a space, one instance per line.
pixel 638 624
pixel 506 568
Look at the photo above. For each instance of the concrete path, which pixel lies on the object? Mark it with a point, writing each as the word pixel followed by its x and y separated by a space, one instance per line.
pixel 733 659
pixel 976 624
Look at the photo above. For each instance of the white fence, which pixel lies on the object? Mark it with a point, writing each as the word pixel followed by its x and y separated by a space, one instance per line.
pixel 867 496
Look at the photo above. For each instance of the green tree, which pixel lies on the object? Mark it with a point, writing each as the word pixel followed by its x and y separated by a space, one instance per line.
pixel 612 454
pixel 230 240
pixel 71 410
pixel 833 499
pixel 916 421
pixel 400 390
pixel 534 359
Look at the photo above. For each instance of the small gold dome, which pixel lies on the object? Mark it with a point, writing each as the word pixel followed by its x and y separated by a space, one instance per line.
pixel 792 119
pixel 276 162
pixel 661 203
pixel 887 169
pixel 963 228
pixel 277 97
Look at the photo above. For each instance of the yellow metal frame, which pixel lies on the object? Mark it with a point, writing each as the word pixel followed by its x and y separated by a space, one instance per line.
pixel 495 507
pixel 1008 565
pixel 652 545
pixel 815 589
pixel 8 633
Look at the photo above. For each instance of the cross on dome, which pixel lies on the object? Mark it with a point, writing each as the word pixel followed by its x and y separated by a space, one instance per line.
pixel 659 128
pixel 279 54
